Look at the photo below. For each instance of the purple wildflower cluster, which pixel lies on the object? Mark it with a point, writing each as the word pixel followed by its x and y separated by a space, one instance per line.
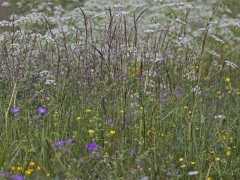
pixel 110 121
pixel 164 95
pixel 8 176
pixel 62 142
pixel 93 147
pixel 41 110
pixel 18 177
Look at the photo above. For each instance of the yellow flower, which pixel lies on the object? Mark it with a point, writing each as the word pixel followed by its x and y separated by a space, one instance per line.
pixel 38 168
pixel 238 93
pixel 226 46
pixel 90 131
pixel 218 92
pixel 19 168
pixel 32 163
pixel 78 118
pixel 183 166
pixel 192 163
pixel 185 107
pixel 196 67
pixel 227 79
pixel 209 179
pixel 180 159
pixel 112 132
pixel 121 111
pixel 48 174
pixel 141 108
pixel 88 110
pixel 13 168
pixel 228 153
pixel 28 171
pixel 217 159
pixel 223 137
pixel 189 112
pixel 231 139
pixel 227 88
pixel 197 129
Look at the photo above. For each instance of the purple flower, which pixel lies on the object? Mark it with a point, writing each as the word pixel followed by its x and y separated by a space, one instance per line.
pixel 18 177
pixel 3 174
pixel 93 147
pixel 70 141
pixel 42 110
pixel 15 110
pixel 177 91
pixel 132 152
pixel 163 96
pixel 59 143
pixel 62 142
pixel 110 121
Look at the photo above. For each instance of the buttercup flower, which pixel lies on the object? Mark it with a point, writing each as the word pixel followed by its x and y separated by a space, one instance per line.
pixel 180 159
pixel 90 131
pixel 227 79
pixel 93 147
pixel 15 110
pixel 112 132
pixel 88 110
pixel 32 163
pixel 42 110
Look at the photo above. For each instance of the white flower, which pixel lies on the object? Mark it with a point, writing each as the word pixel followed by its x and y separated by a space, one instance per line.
pixel 229 63
pixel 191 173
pixel 215 54
pixel 5 4
pixel 219 117
pixel 144 178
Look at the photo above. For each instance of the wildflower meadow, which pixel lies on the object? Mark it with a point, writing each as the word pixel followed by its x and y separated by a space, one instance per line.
pixel 120 90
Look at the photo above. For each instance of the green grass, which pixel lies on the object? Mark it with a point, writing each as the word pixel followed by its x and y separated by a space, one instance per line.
pixel 108 68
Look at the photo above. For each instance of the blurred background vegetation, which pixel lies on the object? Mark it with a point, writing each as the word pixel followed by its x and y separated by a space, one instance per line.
pixel 23 6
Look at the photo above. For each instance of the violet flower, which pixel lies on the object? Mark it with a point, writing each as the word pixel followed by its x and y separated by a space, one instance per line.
pixel 42 110
pixel 15 110
pixel 93 147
